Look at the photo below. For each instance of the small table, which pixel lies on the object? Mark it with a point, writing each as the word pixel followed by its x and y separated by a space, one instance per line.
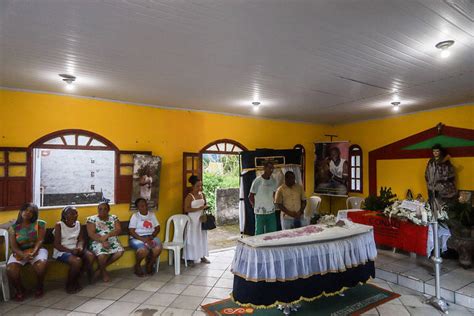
pixel 290 266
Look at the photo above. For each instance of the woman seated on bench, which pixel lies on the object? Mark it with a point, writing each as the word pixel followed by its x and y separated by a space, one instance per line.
pixel 144 228
pixel 69 248
pixel 103 230
pixel 26 239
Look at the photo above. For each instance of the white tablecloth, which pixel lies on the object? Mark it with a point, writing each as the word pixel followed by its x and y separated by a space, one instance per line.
pixel 332 250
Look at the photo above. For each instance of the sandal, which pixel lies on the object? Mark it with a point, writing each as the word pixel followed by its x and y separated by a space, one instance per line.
pixel 105 277
pixel 39 292
pixel 139 272
pixel 149 267
pixel 19 297
pixel 79 287
pixel 71 290
pixel 205 260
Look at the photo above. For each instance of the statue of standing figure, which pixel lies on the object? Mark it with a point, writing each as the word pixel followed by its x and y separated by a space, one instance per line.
pixel 440 179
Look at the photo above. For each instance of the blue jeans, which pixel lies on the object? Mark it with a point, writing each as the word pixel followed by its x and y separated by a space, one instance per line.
pixel 64 257
pixel 137 244
pixel 290 222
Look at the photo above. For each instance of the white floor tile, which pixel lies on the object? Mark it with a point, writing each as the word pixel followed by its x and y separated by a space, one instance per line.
pixel 136 296
pixel 220 293
pixel 112 293
pixel 186 302
pixel 161 299
pixel 53 312
pixel 148 310
pixel 25 310
pixel 151 286
pixel 173 288
pixel 197 290
pixel 95 305
pixel 120 308
pixel 177 312
pixel 70 302
pixel 392 310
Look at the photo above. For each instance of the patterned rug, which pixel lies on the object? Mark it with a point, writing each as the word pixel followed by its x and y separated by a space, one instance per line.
pixel 354 302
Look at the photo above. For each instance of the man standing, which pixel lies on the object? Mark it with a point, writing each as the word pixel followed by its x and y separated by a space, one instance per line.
pixel 291 201
pixel 261 196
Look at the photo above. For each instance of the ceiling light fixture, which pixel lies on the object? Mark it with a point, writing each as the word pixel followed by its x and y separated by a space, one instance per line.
pixel 255 104
pixel 396 106
pixel 444 46
pixel 68 79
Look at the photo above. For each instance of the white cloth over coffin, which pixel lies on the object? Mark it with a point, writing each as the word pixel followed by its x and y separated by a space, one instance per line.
pixel 290 262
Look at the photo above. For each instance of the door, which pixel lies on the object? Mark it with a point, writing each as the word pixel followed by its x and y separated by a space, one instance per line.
pixel 191 166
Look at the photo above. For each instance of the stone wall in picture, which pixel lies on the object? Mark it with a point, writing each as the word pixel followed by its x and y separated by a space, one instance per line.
pixel 227 206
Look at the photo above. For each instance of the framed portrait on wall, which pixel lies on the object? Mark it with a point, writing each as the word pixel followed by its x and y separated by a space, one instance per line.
pixel 331 168
pixel 146 180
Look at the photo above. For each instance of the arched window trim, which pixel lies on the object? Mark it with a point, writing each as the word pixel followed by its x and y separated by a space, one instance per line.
pixel 354 151
pixel 76 133
pixel 228 148
pixel 303 163
pixel 16 189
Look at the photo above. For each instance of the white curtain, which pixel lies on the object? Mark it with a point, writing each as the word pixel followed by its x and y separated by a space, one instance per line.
pixel 242 204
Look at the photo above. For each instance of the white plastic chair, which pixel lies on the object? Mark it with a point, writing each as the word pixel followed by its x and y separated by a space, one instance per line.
pixel 313 207
pixel 179 241
pixel 3 267
pixel 354 202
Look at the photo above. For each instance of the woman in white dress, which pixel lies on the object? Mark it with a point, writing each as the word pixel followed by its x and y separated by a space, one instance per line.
pixel 194 205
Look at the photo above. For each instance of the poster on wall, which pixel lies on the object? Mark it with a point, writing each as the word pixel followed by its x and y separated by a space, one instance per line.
pixel 146 180
pixel 331 168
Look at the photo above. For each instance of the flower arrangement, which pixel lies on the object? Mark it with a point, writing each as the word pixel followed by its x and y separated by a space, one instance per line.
pixel 380 202
pixel 327 220
pixel 419 213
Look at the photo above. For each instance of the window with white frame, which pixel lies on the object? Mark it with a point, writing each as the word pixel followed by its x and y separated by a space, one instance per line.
pixel 355 158
pixel 73 169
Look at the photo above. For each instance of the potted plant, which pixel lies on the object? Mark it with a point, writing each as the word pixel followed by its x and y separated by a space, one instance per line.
pixel 379 203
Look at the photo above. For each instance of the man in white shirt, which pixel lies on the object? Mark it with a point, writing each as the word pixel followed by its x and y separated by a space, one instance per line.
pixel 261 196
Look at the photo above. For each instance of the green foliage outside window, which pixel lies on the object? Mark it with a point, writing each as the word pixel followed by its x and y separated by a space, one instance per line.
pixel 224 175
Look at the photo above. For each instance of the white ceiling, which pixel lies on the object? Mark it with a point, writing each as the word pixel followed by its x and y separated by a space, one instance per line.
pixel 322 61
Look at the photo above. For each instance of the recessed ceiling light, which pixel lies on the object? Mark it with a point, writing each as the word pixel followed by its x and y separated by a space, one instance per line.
pixel 396 106
pixel 256 105
pixel 444 46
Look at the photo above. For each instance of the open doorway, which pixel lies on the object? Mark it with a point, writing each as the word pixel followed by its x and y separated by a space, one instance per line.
pixel 221 179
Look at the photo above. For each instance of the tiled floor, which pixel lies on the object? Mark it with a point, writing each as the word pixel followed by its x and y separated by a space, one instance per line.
pixel 457 284
pixel 166 294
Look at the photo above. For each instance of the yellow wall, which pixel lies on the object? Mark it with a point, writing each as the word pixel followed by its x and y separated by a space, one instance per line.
pixel 412 175
pixel 406 174
pixel 25 117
